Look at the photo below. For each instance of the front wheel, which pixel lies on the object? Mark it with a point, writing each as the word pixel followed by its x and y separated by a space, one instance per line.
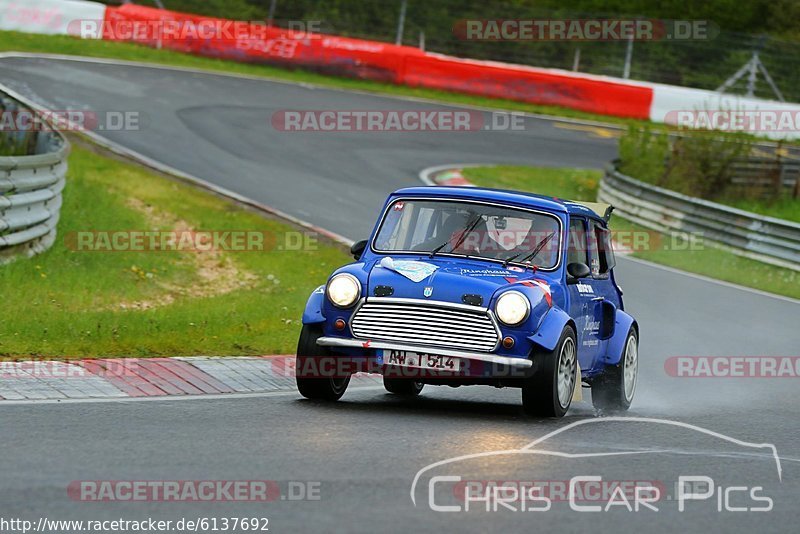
pixel 548 393
pixel 404 387
pixel 309 362
pixel 614 389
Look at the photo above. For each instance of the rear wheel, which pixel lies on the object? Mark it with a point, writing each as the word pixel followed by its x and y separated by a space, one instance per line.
pixel 309 359
pixel 403 386
pixel 614 389
pixel 548 393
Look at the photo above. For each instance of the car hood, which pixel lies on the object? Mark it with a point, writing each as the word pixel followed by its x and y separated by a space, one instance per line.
pixel 442 279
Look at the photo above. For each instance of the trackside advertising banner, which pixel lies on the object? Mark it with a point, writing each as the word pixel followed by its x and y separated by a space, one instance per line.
pixel 373 60
pixel 253 42
pixel 595 94
pixel 48 16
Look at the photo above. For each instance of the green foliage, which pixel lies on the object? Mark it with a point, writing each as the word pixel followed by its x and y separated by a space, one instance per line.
pixel 643 153
pixel 17 143
pixel 13 143
pixel 699 164
pixel 780 17
pixel 9 146
pixel 231 9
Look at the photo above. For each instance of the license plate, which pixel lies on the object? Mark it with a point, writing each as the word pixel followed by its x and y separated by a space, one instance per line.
pixel 421 360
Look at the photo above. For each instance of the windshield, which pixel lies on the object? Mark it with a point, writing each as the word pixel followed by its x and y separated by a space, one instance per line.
pixel 470 229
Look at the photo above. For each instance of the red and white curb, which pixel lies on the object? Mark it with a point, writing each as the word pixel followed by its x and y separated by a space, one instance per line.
pixel 448 174
pixel 150 377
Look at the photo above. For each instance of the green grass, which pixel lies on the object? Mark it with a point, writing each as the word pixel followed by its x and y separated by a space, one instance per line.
pixel 579 184
pixel 68 303
pixel 783 208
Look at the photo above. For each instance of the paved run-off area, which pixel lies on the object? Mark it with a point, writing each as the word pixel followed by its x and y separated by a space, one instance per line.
pixel 150 377
pixel 366 449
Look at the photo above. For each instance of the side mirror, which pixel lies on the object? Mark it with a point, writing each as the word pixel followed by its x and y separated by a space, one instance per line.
pixel 576 271
pixel 358 248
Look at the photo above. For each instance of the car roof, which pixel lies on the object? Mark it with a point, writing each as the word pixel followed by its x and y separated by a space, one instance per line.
pixel 505 196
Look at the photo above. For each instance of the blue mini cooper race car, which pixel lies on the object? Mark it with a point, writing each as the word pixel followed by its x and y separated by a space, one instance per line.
pixel 463 285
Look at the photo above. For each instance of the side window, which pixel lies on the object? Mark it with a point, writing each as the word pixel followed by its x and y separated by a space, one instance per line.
pixel 603 253
pixel 576 245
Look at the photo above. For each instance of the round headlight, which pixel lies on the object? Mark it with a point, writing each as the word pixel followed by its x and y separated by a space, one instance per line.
pixel 512 308
pixel 344 290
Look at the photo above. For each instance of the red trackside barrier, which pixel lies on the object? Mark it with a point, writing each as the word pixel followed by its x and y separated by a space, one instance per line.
pixel 375 60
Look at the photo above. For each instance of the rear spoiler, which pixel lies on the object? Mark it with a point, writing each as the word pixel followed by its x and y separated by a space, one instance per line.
pixel 600 208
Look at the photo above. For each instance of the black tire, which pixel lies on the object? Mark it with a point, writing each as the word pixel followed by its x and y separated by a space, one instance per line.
pixel 403 386
pixel 541 392
pixel 613 391
pixel 328 388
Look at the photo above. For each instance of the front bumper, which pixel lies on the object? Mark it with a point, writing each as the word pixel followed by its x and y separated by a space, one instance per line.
pixel 337 342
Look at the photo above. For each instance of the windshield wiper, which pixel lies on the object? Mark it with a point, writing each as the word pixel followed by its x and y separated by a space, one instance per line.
pixel 510 259
pixel 536 250
pixel 472 224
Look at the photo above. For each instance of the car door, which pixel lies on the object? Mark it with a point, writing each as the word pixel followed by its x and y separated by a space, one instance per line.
pixel 604 299
pixel 582 296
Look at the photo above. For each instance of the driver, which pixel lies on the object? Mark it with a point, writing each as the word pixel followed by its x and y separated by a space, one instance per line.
pixel 451 230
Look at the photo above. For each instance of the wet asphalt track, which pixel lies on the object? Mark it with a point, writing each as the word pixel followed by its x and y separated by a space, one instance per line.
pixel 366 450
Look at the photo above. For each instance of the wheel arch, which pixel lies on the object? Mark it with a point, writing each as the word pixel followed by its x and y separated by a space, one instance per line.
pixel 616 344
pixel 312 314
pixel 549 332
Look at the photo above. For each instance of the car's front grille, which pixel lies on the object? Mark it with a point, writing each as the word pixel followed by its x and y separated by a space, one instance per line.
pixel 425 324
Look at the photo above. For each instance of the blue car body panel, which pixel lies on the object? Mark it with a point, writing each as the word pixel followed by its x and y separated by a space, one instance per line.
pixel 313 312
pixel 548 334
pixel 616 345
pixel 588 305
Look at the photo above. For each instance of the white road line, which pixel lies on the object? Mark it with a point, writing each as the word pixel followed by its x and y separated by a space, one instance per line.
pixel 713 280
pixel 170 398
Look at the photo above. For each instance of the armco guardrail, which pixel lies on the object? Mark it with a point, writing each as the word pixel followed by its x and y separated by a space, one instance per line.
pixel 762 238
pixel 30 194
pixel 769 176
